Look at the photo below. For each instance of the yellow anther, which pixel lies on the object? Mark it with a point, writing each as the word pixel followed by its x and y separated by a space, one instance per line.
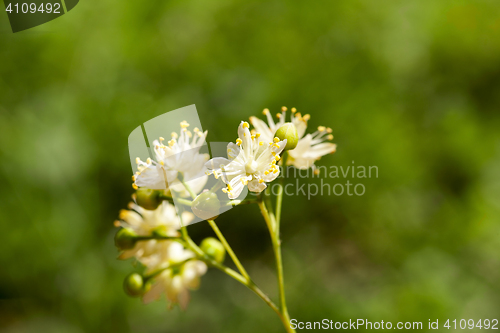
pixel 306 117
pixel 274 153
pixel 199 134
pixel 275 171
pixel 321 128
pixel 316 172
pixel 174 135
pixel 261 143
pixel 229 188
pixel 328 130
pixel 196 129
pixel 257 135
pixel 116 223
pixel 278 115
pixel 298 115
pixel 276 140
pixel 133 178
pixel 252 136
pixel 276 145
pixel 277 158
pixel 189 134
pixel 162 163
pixel 266 111
pixel 245 125
pixel 261 181
pixel 294 110
pixel 252 131
pixel 148 161
pixel 161 138
pixel 329 137
pixel 184 124
pixel 137 160
pixel 135 187
pixel 171 142
pixel 238 141
pixel 266 172
pixel 284 108
pixel 122 215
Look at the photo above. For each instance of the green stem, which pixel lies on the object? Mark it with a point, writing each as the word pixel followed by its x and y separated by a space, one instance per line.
pixel 247 282
pixel 187 187
pixel 272 224
pixel 228 249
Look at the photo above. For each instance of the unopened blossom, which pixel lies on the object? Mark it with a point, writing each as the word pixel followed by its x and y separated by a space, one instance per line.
pixel 252 162
pixel 164 220
pixel 310 148
pixel 180 272
pixel 179 155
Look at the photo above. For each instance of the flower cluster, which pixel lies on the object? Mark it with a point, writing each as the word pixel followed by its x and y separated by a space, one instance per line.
pixel 153 230
pixel 153 240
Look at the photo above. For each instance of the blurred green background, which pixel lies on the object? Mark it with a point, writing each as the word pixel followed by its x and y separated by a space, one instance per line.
pixel 410 87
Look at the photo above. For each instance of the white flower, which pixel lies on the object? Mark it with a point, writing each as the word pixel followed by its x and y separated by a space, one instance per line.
pixel 180 274
pixel 180 155
pixel 143 222
pixel 310 148
pixel 251 162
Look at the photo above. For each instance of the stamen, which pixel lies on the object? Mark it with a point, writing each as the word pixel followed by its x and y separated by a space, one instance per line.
pixel 294 110
pixel 162 138
pixel 148 161
pixel 329 137
pixel 184 124
pixel 174 135
pixel 257 135
pixel 328 130
pixel 261 181
pixel 196 129
pixel 133 178
pixel 245 125
pixel 238 141
pixel 284 108
pixel 135 187
pixel 276 139
pixel 137 160
pixel 306 117
pixel 266 111
pixel 321 128
pixel 278 115
pixel 261 143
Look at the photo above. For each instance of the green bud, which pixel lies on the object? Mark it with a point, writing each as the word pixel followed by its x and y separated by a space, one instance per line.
pixel 206 206
pixel 147 198
pixel 134 285
pixel 214 249
pixel 125 239
pixel 289 132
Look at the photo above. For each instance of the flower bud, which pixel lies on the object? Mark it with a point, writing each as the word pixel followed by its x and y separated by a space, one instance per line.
pixel 125 239
pixel 206 206
pixel 288 131
pixel 134 285
pixel 148 198
pixel 214 249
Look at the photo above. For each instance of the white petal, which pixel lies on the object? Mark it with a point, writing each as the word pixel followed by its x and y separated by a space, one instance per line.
pixel 255 186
